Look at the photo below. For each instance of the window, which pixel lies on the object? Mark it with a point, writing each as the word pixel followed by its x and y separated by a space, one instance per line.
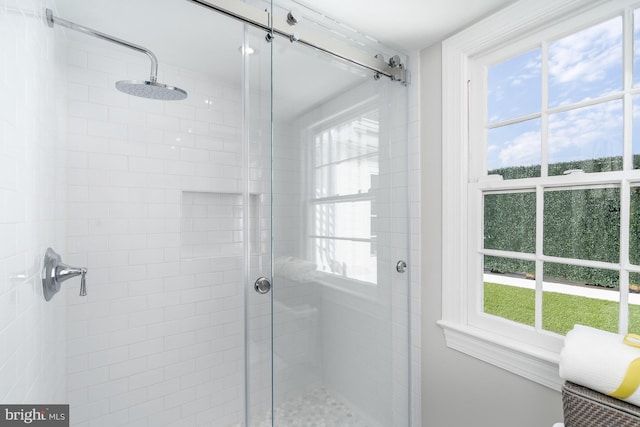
pixel 548 217
pixel 343 204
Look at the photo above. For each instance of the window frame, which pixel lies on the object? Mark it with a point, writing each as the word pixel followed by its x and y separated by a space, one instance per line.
pixel 339 117
pixel 519 27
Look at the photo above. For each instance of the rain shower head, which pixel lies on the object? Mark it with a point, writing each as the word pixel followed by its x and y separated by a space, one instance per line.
pixel 150 89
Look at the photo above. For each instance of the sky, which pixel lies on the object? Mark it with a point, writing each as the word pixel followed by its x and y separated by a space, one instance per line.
pixel 582 66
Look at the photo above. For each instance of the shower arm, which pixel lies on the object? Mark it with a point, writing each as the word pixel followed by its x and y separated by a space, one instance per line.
pixel 51 19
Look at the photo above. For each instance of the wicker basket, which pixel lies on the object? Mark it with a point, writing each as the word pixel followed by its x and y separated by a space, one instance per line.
pixel 584 407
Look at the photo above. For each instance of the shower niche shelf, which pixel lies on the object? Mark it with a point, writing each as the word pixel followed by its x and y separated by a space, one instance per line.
pixel 212 223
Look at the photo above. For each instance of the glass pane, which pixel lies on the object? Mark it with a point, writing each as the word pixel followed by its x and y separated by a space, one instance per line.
pixel 259 226
pixel 582 224
pixel 636 47
pixel 339 227
pixel 634 226
pixel 510 222
pixel 352 176
pixel 583 295
pixel 514 87
pixel 346 258
pixel 509 291
pixel 636 132
pixel 352 139
pixel 347 220
pixel 588 139
pixel 587 64
pixel 514 151
pixel 634 302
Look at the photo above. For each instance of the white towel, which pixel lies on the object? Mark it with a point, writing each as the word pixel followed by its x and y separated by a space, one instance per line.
pixel 600 361
pixel 296 269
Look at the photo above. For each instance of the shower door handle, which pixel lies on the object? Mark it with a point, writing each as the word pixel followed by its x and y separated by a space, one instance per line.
pixel 262 285
pixel 401 266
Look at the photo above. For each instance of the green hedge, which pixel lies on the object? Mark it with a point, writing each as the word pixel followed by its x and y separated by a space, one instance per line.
pixel 582 224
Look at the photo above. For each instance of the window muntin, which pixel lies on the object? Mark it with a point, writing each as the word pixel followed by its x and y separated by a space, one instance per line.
pixel 342 234
pixel 575 219
pixel 530 352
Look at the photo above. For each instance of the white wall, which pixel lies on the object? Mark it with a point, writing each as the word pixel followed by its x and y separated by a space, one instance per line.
pixel 32 191
pixel 459 390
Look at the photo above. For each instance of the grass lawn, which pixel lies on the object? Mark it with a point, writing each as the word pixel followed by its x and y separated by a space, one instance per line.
pixel 559 311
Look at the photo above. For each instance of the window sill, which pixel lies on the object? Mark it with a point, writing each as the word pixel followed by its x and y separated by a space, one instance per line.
pixel 357 288
pixel 533 363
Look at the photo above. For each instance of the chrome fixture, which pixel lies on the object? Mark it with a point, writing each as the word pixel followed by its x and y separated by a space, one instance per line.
pixel 282 26
pixel 401 266
pixel 262 285
pixel 292 17
pixel 151 88
pixel 54 272
pixel 395 61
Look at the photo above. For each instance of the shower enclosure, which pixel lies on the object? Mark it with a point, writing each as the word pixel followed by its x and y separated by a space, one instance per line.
pixel 246 248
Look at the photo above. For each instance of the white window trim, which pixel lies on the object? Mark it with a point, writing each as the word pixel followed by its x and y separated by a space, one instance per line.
pixel 349 115
pixel 512 23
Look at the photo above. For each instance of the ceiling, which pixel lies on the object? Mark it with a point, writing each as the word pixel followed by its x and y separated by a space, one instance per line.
pixel 182 33
pixel 407 25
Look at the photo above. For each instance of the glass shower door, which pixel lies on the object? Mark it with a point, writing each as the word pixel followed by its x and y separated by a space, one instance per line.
pixel 257 128
pixel 340 292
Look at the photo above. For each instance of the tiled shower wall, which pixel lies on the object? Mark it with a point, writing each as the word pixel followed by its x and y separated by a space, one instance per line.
pixel 159 335
pixel 159 338
pixel 32 331
pixel 336 334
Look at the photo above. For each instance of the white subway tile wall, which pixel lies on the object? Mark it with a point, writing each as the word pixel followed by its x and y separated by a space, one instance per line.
pixel 159 338
pixel 32 210
pixel 154 196
pixel 339 337
pixel 212 224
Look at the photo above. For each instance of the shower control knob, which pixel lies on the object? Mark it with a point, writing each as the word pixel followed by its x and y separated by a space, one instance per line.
pixel 262 285
pixel 54 272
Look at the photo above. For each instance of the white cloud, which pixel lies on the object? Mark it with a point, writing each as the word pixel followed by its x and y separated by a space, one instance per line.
pixel 522 150
pixel 530 70
pixel 514 86
pixel 588 56
pixel 586 133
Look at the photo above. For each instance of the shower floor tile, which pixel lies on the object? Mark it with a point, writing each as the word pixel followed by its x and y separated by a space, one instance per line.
pixel 317 408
